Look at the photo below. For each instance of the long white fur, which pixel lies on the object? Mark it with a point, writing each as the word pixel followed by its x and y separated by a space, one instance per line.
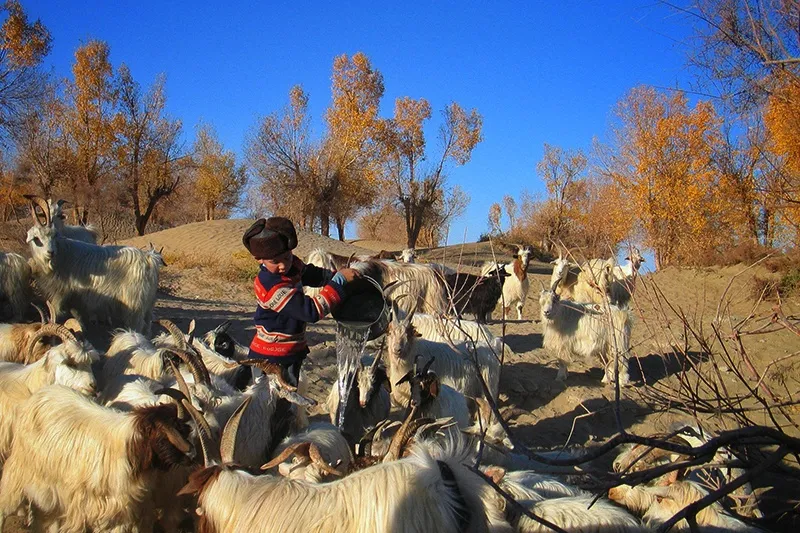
pixel 657 504
pixel 116 283
pixel 70 460
pixel 588 283
pixel 445 329
pixel 453 368
pixel 577 513
pixel 15 283
pixel 66 364
pixel 404 496
pixel 331 444
pixel 216 364
pixel 131 353
pixel 546 486
pixel 87 233
pixel 423 283
pixel 586 330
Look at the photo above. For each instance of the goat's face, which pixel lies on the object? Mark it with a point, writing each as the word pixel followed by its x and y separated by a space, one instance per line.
pixel 524 254
pixel 42 241
pixel 399 339
pixel 72 367
pixel 369 379
pixel 548 301
pixel 408 255
pixel 162 438
pixel 561 268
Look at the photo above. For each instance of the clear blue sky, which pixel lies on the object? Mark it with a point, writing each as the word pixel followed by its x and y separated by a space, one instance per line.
pixel 538 72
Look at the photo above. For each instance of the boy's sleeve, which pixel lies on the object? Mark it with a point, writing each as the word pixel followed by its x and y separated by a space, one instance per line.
pixel 286 298
pixel 314 276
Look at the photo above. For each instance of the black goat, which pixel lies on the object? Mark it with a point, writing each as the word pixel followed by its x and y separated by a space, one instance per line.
pixel 476 294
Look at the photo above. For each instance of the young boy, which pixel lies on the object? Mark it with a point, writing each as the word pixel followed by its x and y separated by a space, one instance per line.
pixel 283 310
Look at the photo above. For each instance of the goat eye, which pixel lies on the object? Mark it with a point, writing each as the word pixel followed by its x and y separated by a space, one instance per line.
pixel 36 241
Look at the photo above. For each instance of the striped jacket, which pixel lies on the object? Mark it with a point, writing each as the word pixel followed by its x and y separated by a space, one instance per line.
pixel 283 311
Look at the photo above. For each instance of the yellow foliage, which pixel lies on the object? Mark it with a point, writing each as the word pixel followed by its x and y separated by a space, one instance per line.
pixel 25 44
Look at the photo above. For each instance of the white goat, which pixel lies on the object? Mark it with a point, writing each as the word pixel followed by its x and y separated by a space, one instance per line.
pixel 83 233
pixel 576 513
pixel 319 452
pixel 517 284
pixel 368 402
pixel 581 284
pixel 440 328
pixel 408 255
pixel 427 491
pixel 83 466
pixel 118 283
pixel 68 364
pixel 586 330
pixel 454 368
pixel 623 277
pixel 15 284
pixel 659 503
pixel 424 283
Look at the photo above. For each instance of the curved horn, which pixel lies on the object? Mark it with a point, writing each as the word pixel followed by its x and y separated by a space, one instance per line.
pixel 379 354
pixel 227 443
pixel 50 329
pixel 196 366
pixel 317 459
pixel 41 313
pixel 176 395
pixel 299 448
pixel 52 310
pixel 203 431
pixel 174 330
pixel 428 365
pixel 399 439
pixel 41 203
pixel 179 378
pixel 222 328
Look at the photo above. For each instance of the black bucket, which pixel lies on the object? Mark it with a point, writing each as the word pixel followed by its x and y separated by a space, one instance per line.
pixel 364 305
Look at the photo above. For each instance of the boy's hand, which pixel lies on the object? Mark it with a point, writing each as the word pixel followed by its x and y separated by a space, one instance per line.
pixel 349 274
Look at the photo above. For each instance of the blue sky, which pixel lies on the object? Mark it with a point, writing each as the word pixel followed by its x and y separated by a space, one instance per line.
pixel 538 72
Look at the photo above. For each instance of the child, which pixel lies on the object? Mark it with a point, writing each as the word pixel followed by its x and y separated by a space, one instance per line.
pixel 283 309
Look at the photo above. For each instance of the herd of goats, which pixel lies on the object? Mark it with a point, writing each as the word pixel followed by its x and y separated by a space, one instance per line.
pixel 182 428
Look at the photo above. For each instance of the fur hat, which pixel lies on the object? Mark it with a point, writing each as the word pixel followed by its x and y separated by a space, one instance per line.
pixel 268 238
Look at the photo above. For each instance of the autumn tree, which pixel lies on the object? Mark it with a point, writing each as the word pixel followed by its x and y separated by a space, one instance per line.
pixel 90 112
pixel 510 207
pixel 495 216
pixel 23 45
pixel 333 177
pixel 420 188
pixel 661 164
pixel 561 170
pixel 218 179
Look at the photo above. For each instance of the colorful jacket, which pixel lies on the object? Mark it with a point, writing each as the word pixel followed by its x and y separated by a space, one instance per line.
pixel 283 311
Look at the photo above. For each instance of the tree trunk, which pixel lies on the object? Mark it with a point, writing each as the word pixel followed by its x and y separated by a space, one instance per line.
pixel 340 228
pixel 325 221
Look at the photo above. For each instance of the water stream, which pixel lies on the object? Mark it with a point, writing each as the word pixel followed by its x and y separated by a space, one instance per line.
pixel 351 338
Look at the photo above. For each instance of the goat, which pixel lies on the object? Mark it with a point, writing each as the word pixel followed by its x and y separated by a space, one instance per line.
pixel 116 282
pixel 368 402
pixel 454 368
pixel 15 284
pixel 586 284
pixel 587 330
pixel 440 328
pixel 517 285
pixel 83 466
pixel 408 255
pixel 84 232
pixel 319 452
pixel 424 283
pixel 476 294
pixel 429 491
pixel 623 277
pixel 659 503
pixel 576 513
pixel 68 364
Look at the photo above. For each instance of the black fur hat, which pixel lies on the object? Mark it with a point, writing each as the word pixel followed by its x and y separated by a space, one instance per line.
pixel 268 238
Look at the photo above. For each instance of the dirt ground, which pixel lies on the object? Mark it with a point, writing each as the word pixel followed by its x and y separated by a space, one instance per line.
pixel 543 413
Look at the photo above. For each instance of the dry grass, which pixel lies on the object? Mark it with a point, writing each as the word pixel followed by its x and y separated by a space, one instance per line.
pixel 239 267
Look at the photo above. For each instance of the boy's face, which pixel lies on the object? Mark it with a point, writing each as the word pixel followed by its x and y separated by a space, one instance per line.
pixel 280 264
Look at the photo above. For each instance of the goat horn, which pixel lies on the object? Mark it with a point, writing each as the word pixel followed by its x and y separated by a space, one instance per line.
pixel 298 448
pixel 272 369
pixel 399 439
pixel 176 395
pixel 178 378
pixel 41 203
pixel 203 431
pixel 52 310
pixel 379 354
pixel 227 443
pixel 317 459
pixel 50 329
pixel 192 326
pixel 428 365
pixel 41 313
pixel 198 369
pixel 222 328
pixel 174 330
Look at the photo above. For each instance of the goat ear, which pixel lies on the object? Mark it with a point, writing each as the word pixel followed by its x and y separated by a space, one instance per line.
pixel 192 325
pixel 495 473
